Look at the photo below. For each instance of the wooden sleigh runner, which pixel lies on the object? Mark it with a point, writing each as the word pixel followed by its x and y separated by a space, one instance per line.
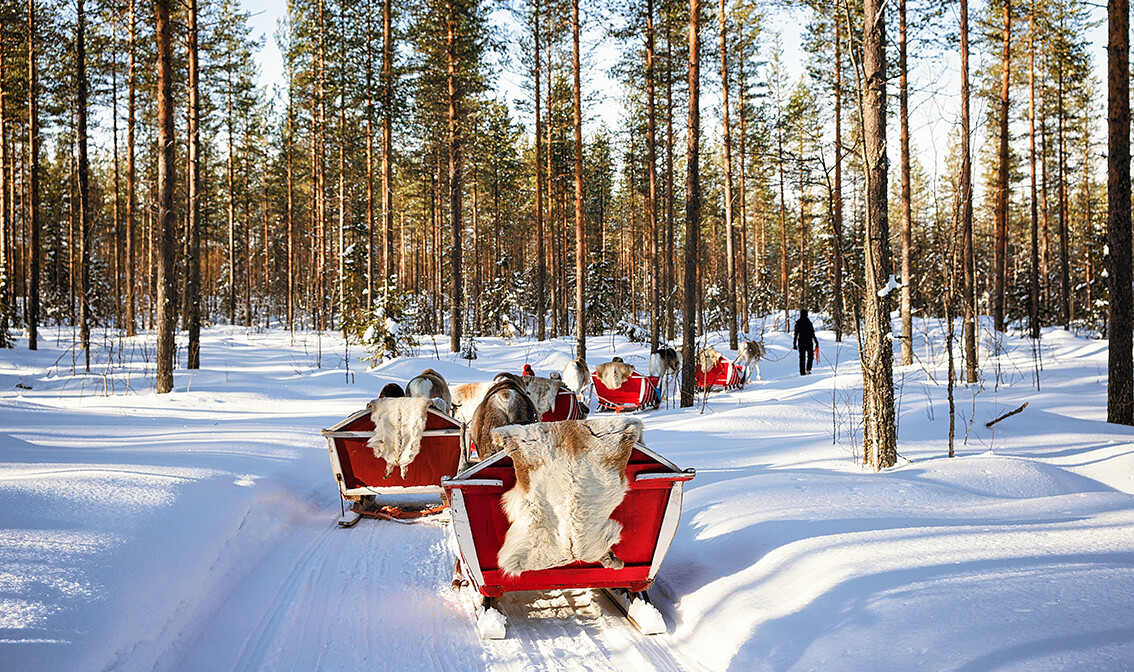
pixel 482 501
pixel 637 392
pixel 361 474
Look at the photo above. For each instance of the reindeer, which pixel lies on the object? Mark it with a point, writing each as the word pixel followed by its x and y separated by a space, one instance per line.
pixel 430 385
pixel 750 354
pixel 505 403
pixel 577 377
pixel 665 363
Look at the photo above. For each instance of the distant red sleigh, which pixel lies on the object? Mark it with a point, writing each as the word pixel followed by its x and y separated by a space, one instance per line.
pixel 724 375
pixel 649 516
pixel 636 392
pixel 360 474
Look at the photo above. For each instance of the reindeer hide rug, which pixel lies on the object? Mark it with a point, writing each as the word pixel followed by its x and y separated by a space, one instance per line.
pixel 570 476
pixel 613 374
pixel 398 427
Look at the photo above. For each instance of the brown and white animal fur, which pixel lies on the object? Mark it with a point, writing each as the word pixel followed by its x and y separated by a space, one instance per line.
pixel 542 392
pixel 613 374
pixel 505 403
pixel 750 354
pixel 430 385
pixel 665 362
pixel 467 396
pixel 570 476
pixel 577 376
pixel 708 358
pixel 398 426
pixel 666 365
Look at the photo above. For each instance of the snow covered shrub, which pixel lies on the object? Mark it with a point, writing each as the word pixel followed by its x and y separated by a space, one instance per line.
pixel 383 329
pixel 632 331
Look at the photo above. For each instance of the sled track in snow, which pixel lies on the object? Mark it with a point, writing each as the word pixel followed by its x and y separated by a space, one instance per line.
pixel 579 629
pixel 378 595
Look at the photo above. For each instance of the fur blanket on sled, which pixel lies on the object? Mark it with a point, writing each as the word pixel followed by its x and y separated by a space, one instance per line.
pixel 613 374
pixel 398 426
pixel 570 476
pixel 708 358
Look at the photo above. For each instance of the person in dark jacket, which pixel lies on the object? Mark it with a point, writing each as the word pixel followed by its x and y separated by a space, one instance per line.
pixel 805 342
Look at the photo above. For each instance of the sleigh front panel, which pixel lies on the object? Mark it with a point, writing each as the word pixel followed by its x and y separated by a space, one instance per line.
pixel 359 472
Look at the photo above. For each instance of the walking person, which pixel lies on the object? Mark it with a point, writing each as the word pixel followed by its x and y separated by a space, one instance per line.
pixel 805 342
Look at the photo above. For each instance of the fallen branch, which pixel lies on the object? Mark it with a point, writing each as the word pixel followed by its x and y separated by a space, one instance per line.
pixel 1009 414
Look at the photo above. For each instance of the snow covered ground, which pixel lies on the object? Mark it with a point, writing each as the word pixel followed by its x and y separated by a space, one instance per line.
pixel 196 530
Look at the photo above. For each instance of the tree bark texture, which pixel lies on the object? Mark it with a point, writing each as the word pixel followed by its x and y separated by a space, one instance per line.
pixel 968 299
pixel 1120 371
pixel 193 258
pixel 879 436
pixel 692 206
pixel 906 204
pixel 580 222
pixel 166 299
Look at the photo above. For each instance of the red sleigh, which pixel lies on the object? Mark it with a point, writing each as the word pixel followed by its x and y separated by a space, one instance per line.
pixel 724 375
pixel 648 514
pixel 636 392
pixel 361 475
pixel 567 407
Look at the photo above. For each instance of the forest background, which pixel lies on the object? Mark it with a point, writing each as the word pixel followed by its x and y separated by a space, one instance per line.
pixel 423 168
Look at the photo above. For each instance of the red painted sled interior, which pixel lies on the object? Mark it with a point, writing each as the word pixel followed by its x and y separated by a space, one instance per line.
pixel 724 375
pixel 636 392
pixel 566 408
pixel 359 472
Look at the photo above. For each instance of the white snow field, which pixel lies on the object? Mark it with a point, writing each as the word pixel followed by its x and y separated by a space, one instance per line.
pixel 196 530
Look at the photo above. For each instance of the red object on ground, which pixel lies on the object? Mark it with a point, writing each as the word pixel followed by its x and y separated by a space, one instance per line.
pixel 359 472
pixel 528 370
pixel 636 392
pixel 649 515
pixel 566 408
pixel 724 375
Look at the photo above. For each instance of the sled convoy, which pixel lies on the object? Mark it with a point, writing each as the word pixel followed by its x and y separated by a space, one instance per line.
pixel 540 496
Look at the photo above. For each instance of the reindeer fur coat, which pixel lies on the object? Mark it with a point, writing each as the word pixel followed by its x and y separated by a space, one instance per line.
pixel 570 477
pixel 398 426
pixel 613 374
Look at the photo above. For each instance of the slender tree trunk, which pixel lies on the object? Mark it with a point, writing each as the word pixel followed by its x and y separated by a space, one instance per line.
pixel 456 300
pixel 541 263
pixel 166 300
pixel 291 267
pixel 837 207
pixel 230 198
pixel 743 209
pixel 1033 284
pixel 116 232
pixel 86 215
pixel 33 185
pixel 370 157
pixel 879 436
pixel 670 252
pixel 906 206
pixel 5 236
pixel 1000 239
pixel 1120 368
pixel 692 205
pixel 131 184
pixel 580 222
pixel 730 233
pixel 193 258
pixel 784 288
pixel 387 146
pixel 968 301
pixel 652 180
pixel 1064 234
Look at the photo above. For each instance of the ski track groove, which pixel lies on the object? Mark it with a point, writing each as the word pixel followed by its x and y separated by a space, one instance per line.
pixel 327 598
